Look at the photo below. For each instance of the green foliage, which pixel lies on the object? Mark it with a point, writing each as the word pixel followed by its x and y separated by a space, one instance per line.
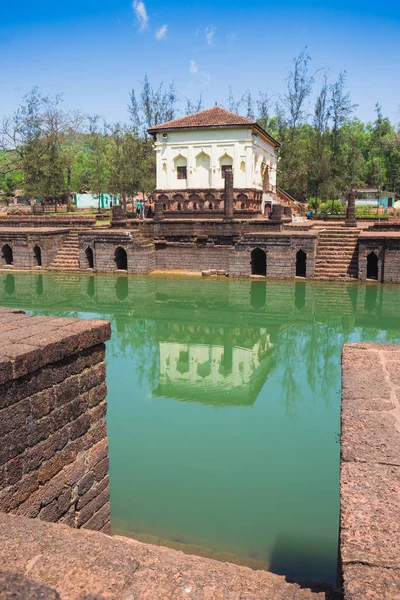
pixel 50 153
pixel 333 207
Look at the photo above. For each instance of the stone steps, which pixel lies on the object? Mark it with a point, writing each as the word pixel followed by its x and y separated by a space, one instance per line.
pixel 337 255
pixel 67 257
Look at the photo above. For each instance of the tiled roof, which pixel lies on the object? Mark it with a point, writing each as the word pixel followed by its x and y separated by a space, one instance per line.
pixel 212 117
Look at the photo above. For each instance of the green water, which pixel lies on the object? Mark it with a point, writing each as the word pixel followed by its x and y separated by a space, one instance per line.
pixel 224 406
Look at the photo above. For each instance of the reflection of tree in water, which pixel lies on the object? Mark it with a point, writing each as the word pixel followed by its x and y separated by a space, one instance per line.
pixel 316 349
pixel 136 337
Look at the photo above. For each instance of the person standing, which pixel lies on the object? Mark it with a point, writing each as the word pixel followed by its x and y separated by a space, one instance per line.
pixel 138 208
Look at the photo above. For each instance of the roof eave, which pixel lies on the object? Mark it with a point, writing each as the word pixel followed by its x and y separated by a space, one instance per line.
pixel 152 131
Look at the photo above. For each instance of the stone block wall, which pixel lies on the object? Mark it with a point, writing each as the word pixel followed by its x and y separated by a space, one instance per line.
pixel 280 249
pixel 53 436
pixel 192 257
pixel 140 255
pixel 22 242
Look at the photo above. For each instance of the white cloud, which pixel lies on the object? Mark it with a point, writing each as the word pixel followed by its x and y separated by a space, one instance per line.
pixel 140 11
pixel 162 32
pixel 209 31
pixel 193 67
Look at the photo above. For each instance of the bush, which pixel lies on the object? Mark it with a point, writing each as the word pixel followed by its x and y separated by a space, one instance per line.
pixel 334 207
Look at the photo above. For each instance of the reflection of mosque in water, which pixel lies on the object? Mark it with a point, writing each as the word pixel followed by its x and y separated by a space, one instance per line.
pixel 220 366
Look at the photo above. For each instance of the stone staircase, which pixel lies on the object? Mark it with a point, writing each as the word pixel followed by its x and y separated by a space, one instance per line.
pixel 337 254
pixel 67 257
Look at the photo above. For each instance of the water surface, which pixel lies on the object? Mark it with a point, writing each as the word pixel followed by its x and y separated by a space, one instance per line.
pixel 224 406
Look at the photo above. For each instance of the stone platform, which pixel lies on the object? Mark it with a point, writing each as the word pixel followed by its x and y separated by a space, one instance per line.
pixel 370 472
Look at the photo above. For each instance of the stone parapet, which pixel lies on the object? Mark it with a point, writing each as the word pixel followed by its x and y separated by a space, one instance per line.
pixel 85 563
pixel 53 435
pixel 370 472
pixel 47 220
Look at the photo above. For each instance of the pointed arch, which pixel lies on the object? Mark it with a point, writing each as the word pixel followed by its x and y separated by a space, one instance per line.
pixel 372 266
pixel 37 256
pixel 203 164
pixel 121 259
pixel 89 258
pixel 180 165
pixel 301 263
pixel 258 262
pixel 7 255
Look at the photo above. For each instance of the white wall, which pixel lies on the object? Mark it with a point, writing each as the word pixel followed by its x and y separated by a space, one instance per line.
pixel 209 149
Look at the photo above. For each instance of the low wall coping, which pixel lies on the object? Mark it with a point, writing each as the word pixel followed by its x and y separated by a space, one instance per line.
pixel 77 562
pixel 28 343
pixel 370 471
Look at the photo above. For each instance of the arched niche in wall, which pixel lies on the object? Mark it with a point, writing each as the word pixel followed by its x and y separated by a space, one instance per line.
pixel 203 170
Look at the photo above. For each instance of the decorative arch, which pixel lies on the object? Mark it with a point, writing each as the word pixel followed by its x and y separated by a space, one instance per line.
pixel 203 162
pixel 7 255
pixel 37 256
pixel 372 266
pixel 258 262
pixel 121 259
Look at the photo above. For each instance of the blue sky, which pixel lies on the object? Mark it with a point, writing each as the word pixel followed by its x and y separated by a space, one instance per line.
pixel 96 52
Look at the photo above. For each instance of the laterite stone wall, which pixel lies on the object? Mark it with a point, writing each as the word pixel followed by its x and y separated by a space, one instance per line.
pixel 53 435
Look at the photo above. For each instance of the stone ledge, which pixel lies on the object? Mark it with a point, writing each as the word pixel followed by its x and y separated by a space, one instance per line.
pixel 77 563
pixel 29 342
pixel 370 471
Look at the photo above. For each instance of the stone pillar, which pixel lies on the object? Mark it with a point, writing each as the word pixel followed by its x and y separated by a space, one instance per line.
pixel 118 218
pixel 350 220
pixel 158 211
pixel 228 195
pixel 277 213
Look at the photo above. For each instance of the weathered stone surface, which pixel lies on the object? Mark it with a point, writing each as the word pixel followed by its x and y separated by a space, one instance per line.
pixel 370 472
pixel 80 562
pixel 370 505
pixel 369 439
pixel 371 583
pixel 16 587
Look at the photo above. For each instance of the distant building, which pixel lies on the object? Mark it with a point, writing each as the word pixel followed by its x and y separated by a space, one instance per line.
pixel 374 198
pixel 194 152
pixel 92 200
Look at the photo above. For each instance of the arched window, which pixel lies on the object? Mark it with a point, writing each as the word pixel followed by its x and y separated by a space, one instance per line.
pixel 211 206
pixel 258 262
pixel 225 162
pixel 89 257
pixel 180 164
pixel 121 259
pixel 37 254
pixel 301 264
pixel 164 206
pixel 372 266
pixel 194 205
pixel 7 255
